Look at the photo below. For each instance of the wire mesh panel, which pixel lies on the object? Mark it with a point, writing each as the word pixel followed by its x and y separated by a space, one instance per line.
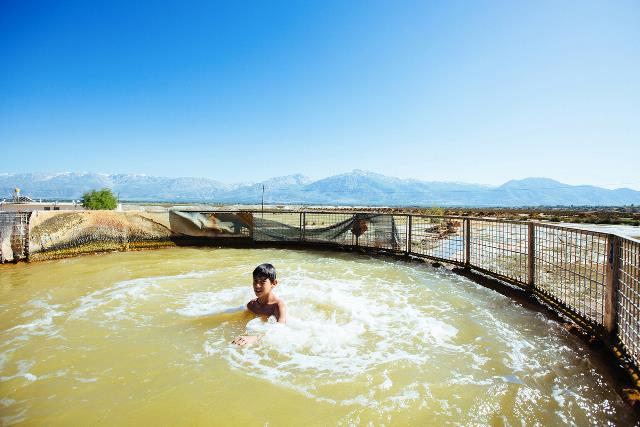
pixel 381 231
pixel 277 227
pixel 629 298
pixel 500 247
pixel 325 227
pixel 211 224
pixel 438 237
pixel 570 266
pixel 14 235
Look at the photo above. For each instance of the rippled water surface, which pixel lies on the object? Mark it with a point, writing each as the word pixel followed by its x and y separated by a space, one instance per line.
pixel 144 337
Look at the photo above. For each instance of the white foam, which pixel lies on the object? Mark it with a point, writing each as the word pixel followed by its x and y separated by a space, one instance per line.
pixel 336 331
pixel 30 376
pixel 211 303
pixel 42 325
pixel 387 383
pixel 23 371
pixel 6 402
pixel 557 395
pixel 14 419
pixel 122 294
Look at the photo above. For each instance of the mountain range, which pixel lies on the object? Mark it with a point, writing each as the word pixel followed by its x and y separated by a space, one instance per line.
pixel 353 188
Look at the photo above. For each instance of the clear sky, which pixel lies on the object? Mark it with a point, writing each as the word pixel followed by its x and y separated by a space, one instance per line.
pixel 472 91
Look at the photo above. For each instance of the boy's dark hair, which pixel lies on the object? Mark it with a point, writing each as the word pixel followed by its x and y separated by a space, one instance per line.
pixel 266 271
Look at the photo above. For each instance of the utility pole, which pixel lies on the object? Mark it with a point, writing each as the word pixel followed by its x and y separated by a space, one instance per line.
pixel 263 201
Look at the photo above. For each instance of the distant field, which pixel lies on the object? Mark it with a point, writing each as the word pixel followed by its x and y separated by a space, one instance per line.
pixel 579 215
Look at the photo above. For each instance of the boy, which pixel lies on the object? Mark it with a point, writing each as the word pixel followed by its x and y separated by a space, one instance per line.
pixel 266 303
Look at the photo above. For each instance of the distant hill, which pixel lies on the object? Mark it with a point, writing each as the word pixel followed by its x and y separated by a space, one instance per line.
pixel 353 188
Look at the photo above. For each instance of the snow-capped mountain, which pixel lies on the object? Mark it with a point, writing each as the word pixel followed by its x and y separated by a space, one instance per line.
pixel 354 188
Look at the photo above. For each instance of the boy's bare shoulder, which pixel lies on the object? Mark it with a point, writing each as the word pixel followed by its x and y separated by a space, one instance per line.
pixel 278 302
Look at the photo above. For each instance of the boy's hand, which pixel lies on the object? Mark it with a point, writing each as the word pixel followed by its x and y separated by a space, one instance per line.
pixel 245 340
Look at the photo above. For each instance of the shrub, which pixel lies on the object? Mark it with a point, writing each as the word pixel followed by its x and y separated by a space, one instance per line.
pixel 605 219
pixel 434 210
pixel 102 199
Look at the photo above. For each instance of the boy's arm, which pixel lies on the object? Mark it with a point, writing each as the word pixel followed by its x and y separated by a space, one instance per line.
pixel 243 340
pixel 282 312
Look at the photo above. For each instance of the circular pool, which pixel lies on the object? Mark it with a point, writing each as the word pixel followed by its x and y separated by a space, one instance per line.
pixel 145 337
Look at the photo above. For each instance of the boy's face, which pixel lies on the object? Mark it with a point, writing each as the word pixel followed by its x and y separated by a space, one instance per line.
pixel 263 286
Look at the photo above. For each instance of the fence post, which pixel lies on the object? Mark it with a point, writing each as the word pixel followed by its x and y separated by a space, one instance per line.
pixel 3 217
pixel 303 228
pixel 300 225
pixel 611 282
pixel 25 249
pixel 531 272
pixel 467 243
pixel 409 232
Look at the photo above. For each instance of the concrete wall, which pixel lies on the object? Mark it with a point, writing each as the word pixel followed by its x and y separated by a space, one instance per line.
pixel 58 234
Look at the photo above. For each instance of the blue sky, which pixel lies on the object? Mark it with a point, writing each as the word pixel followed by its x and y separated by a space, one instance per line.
pixel 466 91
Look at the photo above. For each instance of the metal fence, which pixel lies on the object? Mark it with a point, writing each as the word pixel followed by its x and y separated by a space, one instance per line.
pixel 499 248
pixel 570 267
pixel 628 298
pixel 437 238
pixel 14 236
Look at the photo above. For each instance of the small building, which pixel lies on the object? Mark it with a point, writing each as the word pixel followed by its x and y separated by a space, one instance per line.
pixel 19 203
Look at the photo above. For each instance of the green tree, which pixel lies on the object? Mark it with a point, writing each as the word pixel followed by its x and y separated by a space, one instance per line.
pixel 103 199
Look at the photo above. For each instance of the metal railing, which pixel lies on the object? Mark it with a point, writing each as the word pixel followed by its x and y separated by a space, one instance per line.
pixel 14 236
pixel 628 298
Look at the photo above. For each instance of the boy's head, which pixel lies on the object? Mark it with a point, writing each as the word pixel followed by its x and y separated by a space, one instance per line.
pixel 264 279
pixel 265 271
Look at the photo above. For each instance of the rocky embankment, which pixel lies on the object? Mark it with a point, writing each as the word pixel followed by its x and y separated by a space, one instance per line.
pixel 63 234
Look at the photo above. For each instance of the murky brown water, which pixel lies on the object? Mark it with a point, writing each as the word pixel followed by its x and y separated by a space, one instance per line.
pixel 144 338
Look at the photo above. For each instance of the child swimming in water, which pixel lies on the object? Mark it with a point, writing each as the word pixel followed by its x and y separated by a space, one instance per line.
pixel 266 303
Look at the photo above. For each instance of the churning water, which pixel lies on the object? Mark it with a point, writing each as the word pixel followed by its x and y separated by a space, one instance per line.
pixel 144 337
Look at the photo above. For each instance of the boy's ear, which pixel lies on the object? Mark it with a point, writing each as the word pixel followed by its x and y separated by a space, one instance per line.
pixel 275 282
